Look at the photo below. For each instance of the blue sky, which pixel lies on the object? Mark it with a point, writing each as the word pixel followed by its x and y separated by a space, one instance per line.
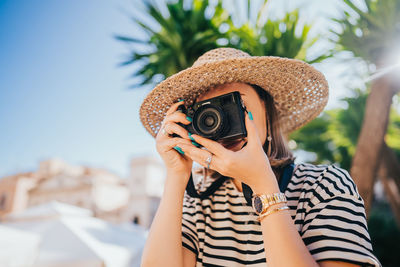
pixel 62 94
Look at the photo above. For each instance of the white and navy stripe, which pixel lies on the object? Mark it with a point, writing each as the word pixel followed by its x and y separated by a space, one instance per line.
pixel 325 206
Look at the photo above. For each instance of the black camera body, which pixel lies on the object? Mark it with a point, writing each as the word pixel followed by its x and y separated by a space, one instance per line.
pixel 218 118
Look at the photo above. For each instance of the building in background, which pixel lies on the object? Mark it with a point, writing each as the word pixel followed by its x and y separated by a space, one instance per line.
pixel 146 183
pixel 92 188
pixel 14 192
pixel 107 195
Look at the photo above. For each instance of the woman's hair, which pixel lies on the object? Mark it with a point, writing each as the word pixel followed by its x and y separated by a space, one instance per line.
pixel 279 155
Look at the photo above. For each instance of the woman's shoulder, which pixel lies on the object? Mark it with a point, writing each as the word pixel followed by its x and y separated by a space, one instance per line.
pixel 327 180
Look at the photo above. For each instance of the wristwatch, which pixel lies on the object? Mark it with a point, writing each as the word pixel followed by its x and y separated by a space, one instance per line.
pixel 262 202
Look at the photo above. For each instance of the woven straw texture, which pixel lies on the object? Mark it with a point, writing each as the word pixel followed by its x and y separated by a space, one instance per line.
pixel 300 91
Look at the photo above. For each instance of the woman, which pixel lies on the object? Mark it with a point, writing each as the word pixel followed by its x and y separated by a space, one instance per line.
pixel 318 218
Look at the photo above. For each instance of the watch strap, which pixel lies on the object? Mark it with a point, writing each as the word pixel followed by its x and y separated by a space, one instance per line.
pixel 283 183
pixel 271 199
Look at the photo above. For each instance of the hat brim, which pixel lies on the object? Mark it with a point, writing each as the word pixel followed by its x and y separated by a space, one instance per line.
pixel 300 92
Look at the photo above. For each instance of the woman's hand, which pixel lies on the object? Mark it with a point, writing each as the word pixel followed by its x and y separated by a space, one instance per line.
pixel 249 165
pixel 175 162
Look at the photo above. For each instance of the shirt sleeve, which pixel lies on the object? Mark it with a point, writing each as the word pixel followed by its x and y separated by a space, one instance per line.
pixel 335 226
pixel 189 232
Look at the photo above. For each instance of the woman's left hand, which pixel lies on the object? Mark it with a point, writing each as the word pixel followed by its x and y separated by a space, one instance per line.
pixel 249 165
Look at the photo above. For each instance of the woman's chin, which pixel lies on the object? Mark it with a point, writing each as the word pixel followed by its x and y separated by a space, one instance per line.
pixel 234 145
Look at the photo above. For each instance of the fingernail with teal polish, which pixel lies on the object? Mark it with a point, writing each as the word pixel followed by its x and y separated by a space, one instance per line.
pixel 196 144
pixel 191 137
pixel 188 118
pixel 180 100
pixel 177 148
pixel 250 116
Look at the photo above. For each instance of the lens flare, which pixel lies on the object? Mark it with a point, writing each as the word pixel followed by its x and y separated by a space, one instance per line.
pixel 383 71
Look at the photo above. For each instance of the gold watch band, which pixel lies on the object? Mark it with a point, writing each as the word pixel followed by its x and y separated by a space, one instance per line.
pixel 272 199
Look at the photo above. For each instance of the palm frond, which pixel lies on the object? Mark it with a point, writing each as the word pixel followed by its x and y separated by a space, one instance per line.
pixel 373 33
pixel 185 34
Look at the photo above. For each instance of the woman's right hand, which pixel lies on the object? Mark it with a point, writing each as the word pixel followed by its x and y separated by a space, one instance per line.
pixel 175 162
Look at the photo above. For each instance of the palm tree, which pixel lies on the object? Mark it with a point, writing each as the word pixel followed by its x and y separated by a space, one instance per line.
pixel 184 35
pixel 187 33
pixel 273 39
pixel 372 36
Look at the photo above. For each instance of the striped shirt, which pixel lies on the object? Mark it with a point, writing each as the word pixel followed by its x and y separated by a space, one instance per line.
pixel 325 206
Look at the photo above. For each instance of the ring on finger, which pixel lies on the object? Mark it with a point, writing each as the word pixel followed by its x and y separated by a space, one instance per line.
pixel 208 160
pixel 164 132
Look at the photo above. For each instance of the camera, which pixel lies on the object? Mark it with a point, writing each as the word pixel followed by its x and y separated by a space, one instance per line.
pixel 218 118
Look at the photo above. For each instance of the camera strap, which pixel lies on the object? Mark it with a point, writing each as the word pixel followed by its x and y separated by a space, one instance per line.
pixel 247 191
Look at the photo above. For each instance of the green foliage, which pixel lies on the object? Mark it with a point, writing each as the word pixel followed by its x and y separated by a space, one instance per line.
pixel 372 33
pixel 385 235
pixel 345 127
pixel 393 133
pixel 314 137
pixel 185 34
pixel 333 135
pixel 276 38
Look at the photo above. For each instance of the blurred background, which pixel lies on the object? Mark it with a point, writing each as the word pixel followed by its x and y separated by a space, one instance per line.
pixel 80 178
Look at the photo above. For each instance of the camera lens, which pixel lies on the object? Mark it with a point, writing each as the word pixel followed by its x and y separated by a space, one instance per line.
pixel 209 121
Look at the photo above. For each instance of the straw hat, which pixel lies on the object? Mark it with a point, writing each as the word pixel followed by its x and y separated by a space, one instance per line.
pixel 300 92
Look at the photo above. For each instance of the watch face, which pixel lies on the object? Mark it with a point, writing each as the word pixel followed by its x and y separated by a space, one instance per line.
pixel 257 204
